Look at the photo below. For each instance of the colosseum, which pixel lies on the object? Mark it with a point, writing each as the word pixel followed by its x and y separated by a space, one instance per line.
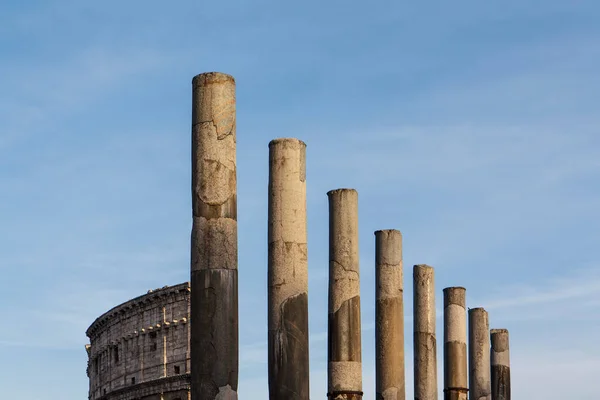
pixel 139 350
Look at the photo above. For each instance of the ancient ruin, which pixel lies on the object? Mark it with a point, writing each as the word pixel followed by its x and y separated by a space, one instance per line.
pixel 181 342
pixel 214 260
pixel 140 349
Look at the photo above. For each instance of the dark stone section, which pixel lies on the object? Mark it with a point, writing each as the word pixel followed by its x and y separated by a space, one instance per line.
pixel 455 364
pixel 344 332
pixel 214 342
pixel 500 382
pixel 389 367
pixel 424 343
pixel 210 211
pixel 288 355
pixel 345 395
pixel 499 340
pixel 453 296
pixel 455 394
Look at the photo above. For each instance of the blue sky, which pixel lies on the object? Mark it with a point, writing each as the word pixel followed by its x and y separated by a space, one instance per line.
pixel 473 127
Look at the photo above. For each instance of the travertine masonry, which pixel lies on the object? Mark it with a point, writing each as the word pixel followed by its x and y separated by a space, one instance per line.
pixel 479 355
pixel 455 344
pixel 389 316
pixel 425 347
pixel 214 255
pixel 140 348
pixel 288 272
pixel 344 332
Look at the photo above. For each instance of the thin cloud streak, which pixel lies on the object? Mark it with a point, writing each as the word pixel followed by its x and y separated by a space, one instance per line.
pixel 44 95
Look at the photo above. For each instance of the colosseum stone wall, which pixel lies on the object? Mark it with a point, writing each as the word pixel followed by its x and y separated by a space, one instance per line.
pixel 139 350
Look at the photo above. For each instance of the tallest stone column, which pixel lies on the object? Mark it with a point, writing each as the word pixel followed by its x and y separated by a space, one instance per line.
pixel 214 280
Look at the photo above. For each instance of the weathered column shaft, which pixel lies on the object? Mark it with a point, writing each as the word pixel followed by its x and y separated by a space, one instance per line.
pixel 455 344
pixel 425 347
pixel 389 316
pixel 288 272
pixel 500 364
pixel 479 355
pixel 344 330
pixel 214 284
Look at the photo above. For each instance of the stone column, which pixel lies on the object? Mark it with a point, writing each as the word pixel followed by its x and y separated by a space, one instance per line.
pixel 214 279
pixel 500 364
pixel 479 356
pixel 425 348
pixel 344 331
pixel 455 344
pixel 389 316
pixel 288 272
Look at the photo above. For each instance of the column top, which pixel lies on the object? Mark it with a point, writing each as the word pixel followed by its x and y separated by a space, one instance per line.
pixel 500 340
pixel 423 272
pixel 212 77
pixel 380 231
pixel 455 295
pixel 286 140
pixel 477 309
pixel 453 288
pixel 422 266
pixel 341 190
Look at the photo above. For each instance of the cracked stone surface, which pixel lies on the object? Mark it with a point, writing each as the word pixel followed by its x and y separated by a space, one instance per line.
pixel 500 362
pixel 214 244
pixel 344 333
pixel 389 316
pixel 425 345
pixel 455 343
pixel 214 280
pixel 479 355
pixel 288 271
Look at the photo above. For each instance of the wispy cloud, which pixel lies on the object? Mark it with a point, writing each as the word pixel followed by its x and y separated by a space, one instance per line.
pixel 43 95
pixel 577 286
pixel 58 321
